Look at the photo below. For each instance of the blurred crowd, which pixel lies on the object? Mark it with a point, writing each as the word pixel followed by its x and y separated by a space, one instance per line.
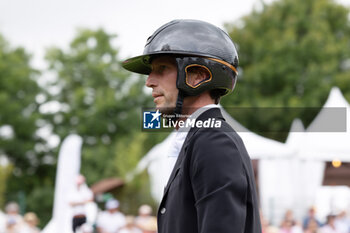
pixel 335 223
pixel 109 220
pixel 13 222
pixel 112 220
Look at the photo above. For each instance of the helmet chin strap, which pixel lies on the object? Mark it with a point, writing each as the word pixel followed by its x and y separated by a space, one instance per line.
pixel 179 103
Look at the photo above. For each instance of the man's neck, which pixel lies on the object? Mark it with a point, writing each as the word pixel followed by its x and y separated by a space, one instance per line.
pixel 192 103
pixel 195 113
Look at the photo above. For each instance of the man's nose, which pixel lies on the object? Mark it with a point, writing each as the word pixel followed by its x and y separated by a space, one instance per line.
pixel 151 80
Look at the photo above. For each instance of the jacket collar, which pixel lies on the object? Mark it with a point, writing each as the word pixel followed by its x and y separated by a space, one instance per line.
pixel 210 113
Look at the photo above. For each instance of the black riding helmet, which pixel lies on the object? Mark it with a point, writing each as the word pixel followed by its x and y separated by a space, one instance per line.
pixel 192 43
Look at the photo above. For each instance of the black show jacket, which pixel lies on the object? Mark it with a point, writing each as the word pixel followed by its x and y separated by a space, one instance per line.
pixel 211 188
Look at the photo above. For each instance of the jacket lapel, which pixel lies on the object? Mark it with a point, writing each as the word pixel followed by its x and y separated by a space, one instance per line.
pixel 210 113
pixel 176 168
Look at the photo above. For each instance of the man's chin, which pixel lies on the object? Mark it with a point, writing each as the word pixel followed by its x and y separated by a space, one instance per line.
pixel 166 110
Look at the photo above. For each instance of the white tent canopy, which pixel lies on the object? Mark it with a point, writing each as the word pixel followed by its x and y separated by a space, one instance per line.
pixel 324 140
pixel 289 182
pixel 258 147
pixel 296 134
pixel 293 182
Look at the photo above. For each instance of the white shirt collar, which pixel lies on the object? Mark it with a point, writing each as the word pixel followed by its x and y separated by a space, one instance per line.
pixel 196 114
pixel 181 134
pixel 179 138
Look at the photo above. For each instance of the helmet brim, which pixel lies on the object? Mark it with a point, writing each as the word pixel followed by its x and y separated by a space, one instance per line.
pixel 138 64
pixel 142 64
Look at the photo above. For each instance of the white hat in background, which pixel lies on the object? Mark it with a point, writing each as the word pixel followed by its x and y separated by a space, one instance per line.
pixel 112 204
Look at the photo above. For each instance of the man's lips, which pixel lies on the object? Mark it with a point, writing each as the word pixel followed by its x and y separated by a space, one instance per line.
pixel 156 96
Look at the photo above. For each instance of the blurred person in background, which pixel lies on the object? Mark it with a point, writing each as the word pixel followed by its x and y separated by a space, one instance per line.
pixel 110 220
pixel 30 223
pixel 290 223
pixel 14 220
pixel 342 222
pixel 265 225
pixel 144 217
pixel 85 228
pixel 289 216
pixel 80 196
pixel 150 226
pixel 311 216
pixel 287 226
pixel 330 225
pixel 130 226
pixel 312 227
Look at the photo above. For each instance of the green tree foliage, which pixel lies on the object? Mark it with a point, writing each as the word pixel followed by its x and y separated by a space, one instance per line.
pixel 129 147
pixel 136 193
pixel 19 118
pixel 5 171
pixel 18 90
pixel 135 147
pixel 291 53
pixel 94 90
pixel 101 102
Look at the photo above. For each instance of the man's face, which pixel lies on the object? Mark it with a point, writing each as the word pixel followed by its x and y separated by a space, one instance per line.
pixel 162 80
pixel 112 210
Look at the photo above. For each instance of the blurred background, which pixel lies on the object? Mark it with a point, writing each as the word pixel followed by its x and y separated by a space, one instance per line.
pixel 60 74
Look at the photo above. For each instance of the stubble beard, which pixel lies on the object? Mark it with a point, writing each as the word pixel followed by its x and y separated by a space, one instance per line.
pixel 166 110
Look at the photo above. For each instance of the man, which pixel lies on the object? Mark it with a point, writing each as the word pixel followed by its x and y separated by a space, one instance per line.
pixel 14 220
pixel 311 217
pixel 145 219
pixel 211 189
pixel 330 225
pixel 111 220
pixel 80 196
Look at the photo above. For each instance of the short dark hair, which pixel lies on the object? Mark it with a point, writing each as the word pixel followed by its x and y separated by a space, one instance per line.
pixel 216 94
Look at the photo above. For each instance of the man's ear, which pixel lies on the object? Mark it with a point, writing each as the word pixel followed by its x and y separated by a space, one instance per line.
pixel 197 75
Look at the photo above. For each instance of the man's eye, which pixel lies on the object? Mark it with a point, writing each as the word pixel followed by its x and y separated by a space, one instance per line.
pixel 160 69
